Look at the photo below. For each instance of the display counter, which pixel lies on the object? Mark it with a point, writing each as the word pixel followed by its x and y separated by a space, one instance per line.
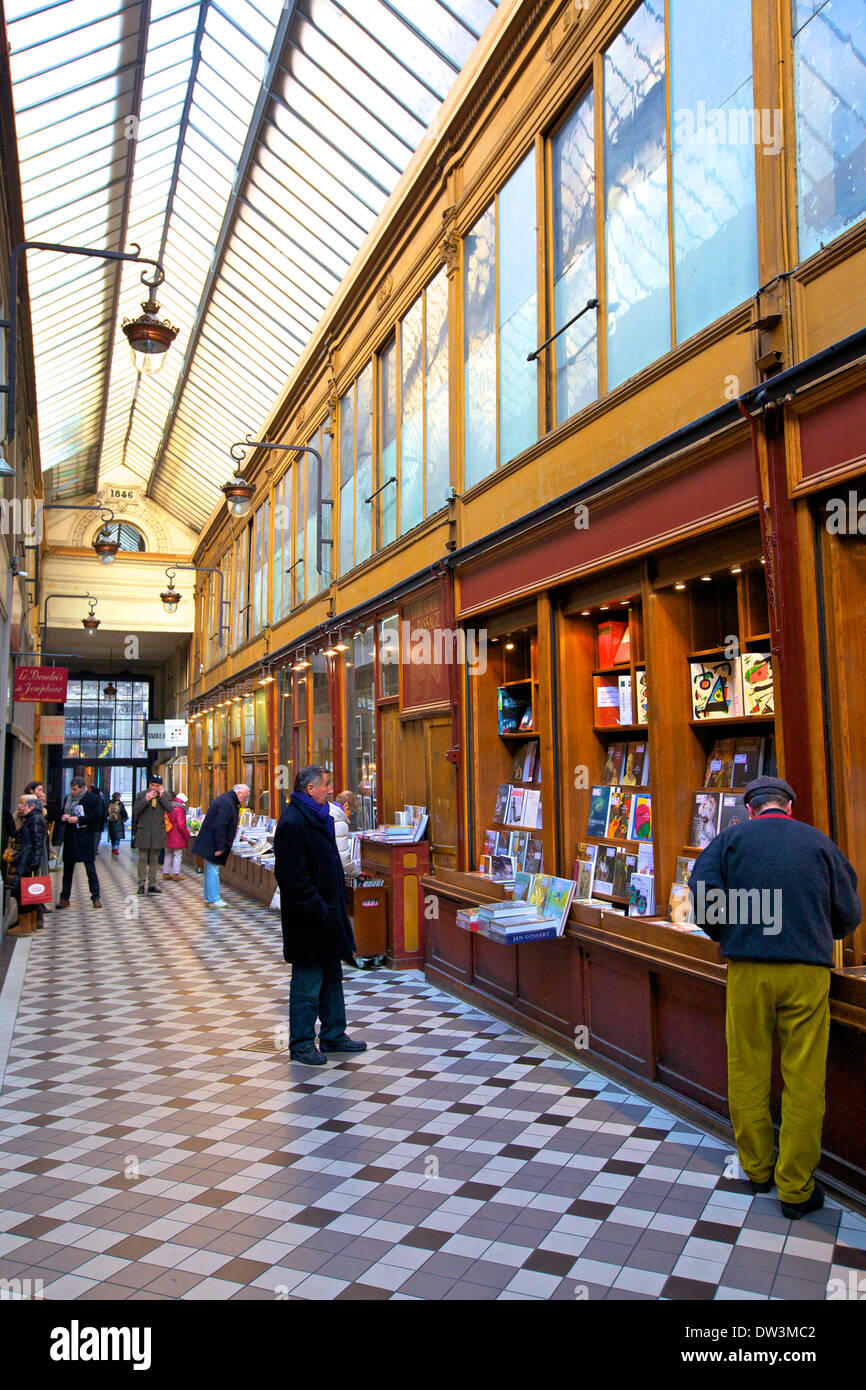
pixel 403 866
pixel 646 999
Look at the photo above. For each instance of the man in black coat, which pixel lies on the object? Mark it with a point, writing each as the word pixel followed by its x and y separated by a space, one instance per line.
pixel 216 837
pixel 82 826
pixel 317 933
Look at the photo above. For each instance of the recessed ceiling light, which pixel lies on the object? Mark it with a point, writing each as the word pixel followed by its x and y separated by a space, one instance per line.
pixel 679 586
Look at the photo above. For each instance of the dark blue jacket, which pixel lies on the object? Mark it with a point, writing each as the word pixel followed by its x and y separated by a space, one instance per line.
pixel 316 926
pixel 806 891
pixel 218 829
pixel 32 834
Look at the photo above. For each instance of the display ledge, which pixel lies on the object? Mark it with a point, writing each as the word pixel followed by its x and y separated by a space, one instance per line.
pixel 647 938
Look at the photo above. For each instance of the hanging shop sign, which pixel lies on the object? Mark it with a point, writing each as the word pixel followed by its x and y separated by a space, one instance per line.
pixel 168 733
pixel 52 728
pixel 36 683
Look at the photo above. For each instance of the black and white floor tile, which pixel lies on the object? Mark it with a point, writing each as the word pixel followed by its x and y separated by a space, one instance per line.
pixel 157 1143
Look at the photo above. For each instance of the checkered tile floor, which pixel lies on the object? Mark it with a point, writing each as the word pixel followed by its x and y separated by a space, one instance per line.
pixel 156 1142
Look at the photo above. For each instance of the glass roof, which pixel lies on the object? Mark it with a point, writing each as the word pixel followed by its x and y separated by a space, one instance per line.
pixel 250 146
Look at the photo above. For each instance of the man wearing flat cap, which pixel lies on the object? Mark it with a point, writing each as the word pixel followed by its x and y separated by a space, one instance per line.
pixel 148 826
pixel 775 894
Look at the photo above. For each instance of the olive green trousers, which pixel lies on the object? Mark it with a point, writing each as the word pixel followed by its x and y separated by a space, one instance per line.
pixel 790 1000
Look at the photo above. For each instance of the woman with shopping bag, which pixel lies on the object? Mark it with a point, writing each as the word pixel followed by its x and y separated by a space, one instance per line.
pixel 28 885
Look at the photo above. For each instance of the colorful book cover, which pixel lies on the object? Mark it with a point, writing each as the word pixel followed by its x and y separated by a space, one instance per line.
pixel 521 935
pixel 515 806
pixel 733 811
pixel 538 887
pixel 599 801
pixel 641 896
pixel 625 866
pixel 625 700
pixel 645 860
pixel 757 668
pixel 685 864
pixel 532 859
pixel 584 873
pixel 720 763
pixel 517 846
pixel 614 764
pixel 526 721
pixel 641 707
pixel 558 901
pixel 716 689
pixel 502 866
pixel 606 697
pixel 503 793
pixel 748 760
pixel 617 821
pixel 605 866
pixel 510 708
pixel 681 904
pixel 531 799
pixel 705 819
pixel 610 636
pixel 635 755
pixel 641 826
pixel 522 883
pixel 491 842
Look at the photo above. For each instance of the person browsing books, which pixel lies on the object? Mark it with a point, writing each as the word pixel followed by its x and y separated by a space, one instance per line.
pixel 776 893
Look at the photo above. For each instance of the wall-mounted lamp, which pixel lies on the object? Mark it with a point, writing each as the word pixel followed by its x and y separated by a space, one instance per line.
pixel 90 624
pixel 170 598
pixel 149 337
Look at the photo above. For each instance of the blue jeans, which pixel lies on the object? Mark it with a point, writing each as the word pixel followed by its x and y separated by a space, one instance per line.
pixel 211 882
pixel 316 991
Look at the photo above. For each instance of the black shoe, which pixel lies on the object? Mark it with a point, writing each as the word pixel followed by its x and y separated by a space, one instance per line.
pixel 795 1210
pixel 61 903
pixel 758 1187
pixel 141 890
pixel 343 1044
pixel 154 889
pixel 308 1056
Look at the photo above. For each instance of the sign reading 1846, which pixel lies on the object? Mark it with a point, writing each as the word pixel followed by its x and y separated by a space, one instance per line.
pixel 122 494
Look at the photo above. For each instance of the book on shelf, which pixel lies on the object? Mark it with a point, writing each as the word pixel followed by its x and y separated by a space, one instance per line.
pixel 491 842
pixel 717 691
pixel 531 803
pixel 720 763
pixel 705 818
pixel 558 901
pixel 502 868
pixel 606 700
pixel 626 707
pixel 517 765
pixel 508 913
pixel 612 634
pixel 732 811
pixel 533 858
pixel 748 760
pixel 510 705
pixel 619 812
pixel 641 824
pixel 523 762
pixel 681 904
pixel 641 895
pixel 614 764
pixel 599 801
pixel 645 859
pixel 467 918
pixel 641 705
pixel 526 721
pixel 503 793
pixel 514 810
pixel 757 669
pixel 517 846
pixel 634 763
pixel 605 866
pixel 683 871
pixel 624 866
pixel 516 936
pixel 537 889
pixel 584 869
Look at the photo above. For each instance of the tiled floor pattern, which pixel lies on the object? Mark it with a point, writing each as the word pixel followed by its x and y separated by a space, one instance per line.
pixel 148 1151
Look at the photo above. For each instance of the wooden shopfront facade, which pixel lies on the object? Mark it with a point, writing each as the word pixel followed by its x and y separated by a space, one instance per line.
pixel 559 386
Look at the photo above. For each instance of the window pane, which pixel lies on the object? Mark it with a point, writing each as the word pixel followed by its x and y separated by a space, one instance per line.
pixel 518 312
pixel 323 579
pixel 312 505
pixel 278 549
pixel 361 726
pixel 636 195
pixel 298 571
pixel 388 442
pixel 364 467
pixel 389 655
pixel 830 96
pixel 479 348
pixel 412 417
pixel 436 406
pixel 347 481
pixel 714 133
pixel 574 272
pixel 322 730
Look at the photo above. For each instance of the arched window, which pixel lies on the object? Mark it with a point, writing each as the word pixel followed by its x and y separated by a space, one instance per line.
pixel 129 536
